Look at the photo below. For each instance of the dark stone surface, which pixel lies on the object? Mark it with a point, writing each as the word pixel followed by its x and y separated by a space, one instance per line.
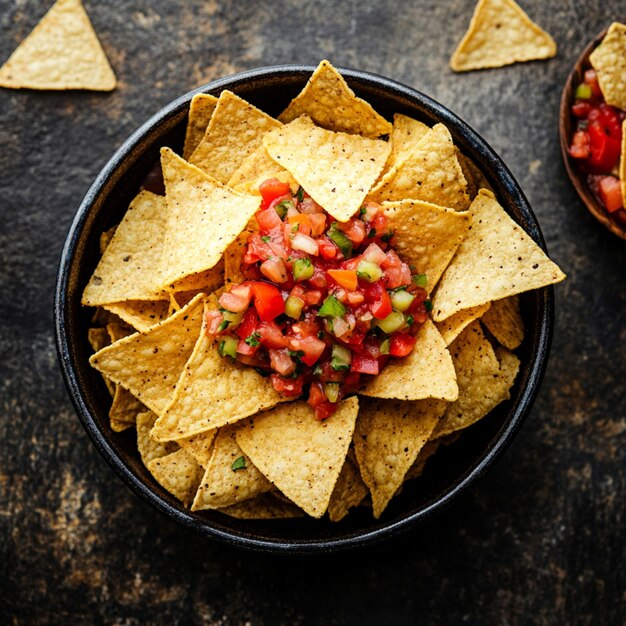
pixel 539 541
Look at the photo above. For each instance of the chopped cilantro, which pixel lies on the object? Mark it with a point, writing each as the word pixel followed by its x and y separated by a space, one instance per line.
pixel 238 464
pixel 428 305
pixel 387 236
pixel 266 238
pixel 223 326
pixel 253 340
pixel 300 194
pixel 420 280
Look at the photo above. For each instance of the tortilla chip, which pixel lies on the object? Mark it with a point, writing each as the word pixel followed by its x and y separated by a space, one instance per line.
pixel 105 238
pixel 336 169
pixel 406 134
pixel 480 180
pixel 430 172
pixel 178 473
pixel 234 132
pixel 388 437
pixel 426 235
pixel 149 364
pixel 622 163
pixel 230 476
pixel 256 168
pixel 204 218
pixel 482 384
pixel 265 506
pixel 301 455
pixel 235 253
pixel 99 338
pixel 454 325
pixel 331 104
pixel 62 52
pixel 140 314
pixel 149 448
pixel 500 33
pixel 472 189
pixel 427 451
pixel 427 372
pixel 201 109
pixel 609 61
pixel 349 491
pixel 497 259
pixel 504 321
pixel 130 266
pixel 206 281
pixel 199 446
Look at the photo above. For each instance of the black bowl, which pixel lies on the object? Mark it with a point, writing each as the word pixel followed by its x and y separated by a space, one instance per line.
pixel 447 475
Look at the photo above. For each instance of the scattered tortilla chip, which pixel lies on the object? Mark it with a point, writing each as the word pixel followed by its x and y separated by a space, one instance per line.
pixel 331 104
pixel 336 169
pixel 609 61
pixel 199 446
pixel 130 266
pixel 504 321
pixel 622 163
pixel 388 437
pixel 62 52
pixel 235 131
pixel 99 338
pixel 265 506
pixel 454 325
pixel 178 473
pixel 230 476
pixel 201 109
pixel 105 238
pixel 256 168
pixel 149 448
pixel 406 134
pixel 349 491
pixel 426 235
pixel 497 259
pixel 430 172
pixel 204 218
pixel 427 372
pixel 301 455
pixel 149 364
pixel 500 33
pixel 140 314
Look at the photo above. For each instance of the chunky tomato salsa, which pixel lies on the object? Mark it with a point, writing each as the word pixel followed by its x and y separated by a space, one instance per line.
pixel 325 304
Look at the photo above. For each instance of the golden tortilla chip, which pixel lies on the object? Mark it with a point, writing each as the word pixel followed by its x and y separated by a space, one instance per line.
pixel 497 259
pixel 427 451
pixel 235 253
pixel 430 172
pixel 206 281
pixel 140 314
pixel 349 491
pixel 504 321
pixel 149 364
pixel 388 437
pixel 472 189
pixel 235 131
pixel 454 325
pixel 105 238
pixel 99 338
pixel 301 455
pixel 130 266
pixel 406 134
pixel 204 218
pixel 427 372
pixel 256 168
pixel 62 52
pixel 230 476
pixel 500 33
pixel 178 473
pixel 149 448
pixel 265 506
pixel 609 61
pixel 426 236
pixel 199 446
pixel 201 109
pixel 336 169
pixel 331 104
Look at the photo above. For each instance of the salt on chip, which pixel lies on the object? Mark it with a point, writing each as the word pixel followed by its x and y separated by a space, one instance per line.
pixel 336 169
pixel 430 172
pixel 130 266
pixel 301 455
pixel 201 109
pixel 178 473
pixel 330 103
pixel 199 446
pixel 427 372
pixel 504 321
pixel 497 259
pixel 349 491
pixel 230 476
pixel 234 132
pixel 500 33
pixel 609 61
pixel 140 314
pixel 405 135
pixel 148 447
pixel 265 506
pixel 62 52
pixel 454 325
pixel 426 236
pixel 387 439
pixel 204 217
pixel 149 364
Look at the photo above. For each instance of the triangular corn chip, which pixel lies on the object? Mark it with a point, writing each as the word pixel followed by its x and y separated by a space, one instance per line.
pixel 504 321
pixel 454 325
pixel 349 491
pixel 500 33
pixel 265 506
pixel 256 168
pixel 609 61
pixel 336 169
pixel 201 109
pixel 149 364
pixel 199 446
pixel 105 238
pixel 387 439
pixel 62 52
pixel 497 259
pixel 149 448
pixel 140 314
pixel 429 448
pixel 331 104
pixel 427 372
pixel 99 338
pixel 430 172
pixel 204 218
pixel 406 134
pixel 301 455
pixel 235 131
pixel 178 473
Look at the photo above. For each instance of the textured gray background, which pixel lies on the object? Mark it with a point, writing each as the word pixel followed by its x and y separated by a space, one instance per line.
pixel 539 541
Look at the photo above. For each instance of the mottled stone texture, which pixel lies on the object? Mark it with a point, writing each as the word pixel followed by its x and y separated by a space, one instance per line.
pixel 539 541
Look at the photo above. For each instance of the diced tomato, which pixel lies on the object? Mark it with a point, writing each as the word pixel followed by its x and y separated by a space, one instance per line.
pixel 213 319
pixel 303 222
pixel 287 386
pixel 328 249
pixel 268 302
pixel 345 278
pixel 316 395
pixel 351 382
pixel 605 150
pixel 329 375
pixel 245 348
pixel 271 189
pixel 318 280
pixel 318 224
pixel 581 108
pixel 313 297
pixel 275 270
pixel 401 345
pixel 378 298
pixel 369 210
pixel 364 364
pixel 237 299
pixel 281 362
pixel 610 121
pixel 354 230
pixel 375 254
pixel 380 224
pixel 248 325
pixel 268 219
pixel 580 148
pixel 311 346
pixel 271 335
pixel 325 410
pixel 310 207
pixel 355 297
pixel 610 190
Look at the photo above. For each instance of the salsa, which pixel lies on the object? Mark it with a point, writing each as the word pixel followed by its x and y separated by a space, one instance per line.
pixel 324 304
pixel 596 143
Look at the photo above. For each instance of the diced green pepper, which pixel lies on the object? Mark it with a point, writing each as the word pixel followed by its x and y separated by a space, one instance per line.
pixel 340 240
pixel 282 208
pixel 341 357
pixel 233 319
pixel 228 347
pixel 293 307
pixel 401 300
pixel 384 346
pixel 302 269
pixel 368 271
pixel 583 92
pixel 420 280
pixel 393 322
pixel 331 391
pixel 332 308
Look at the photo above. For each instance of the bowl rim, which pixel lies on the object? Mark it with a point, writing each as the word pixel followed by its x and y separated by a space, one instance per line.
pixel 355 538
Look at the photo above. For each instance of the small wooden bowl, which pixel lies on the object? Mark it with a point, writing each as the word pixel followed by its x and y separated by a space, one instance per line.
pixel 565 127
